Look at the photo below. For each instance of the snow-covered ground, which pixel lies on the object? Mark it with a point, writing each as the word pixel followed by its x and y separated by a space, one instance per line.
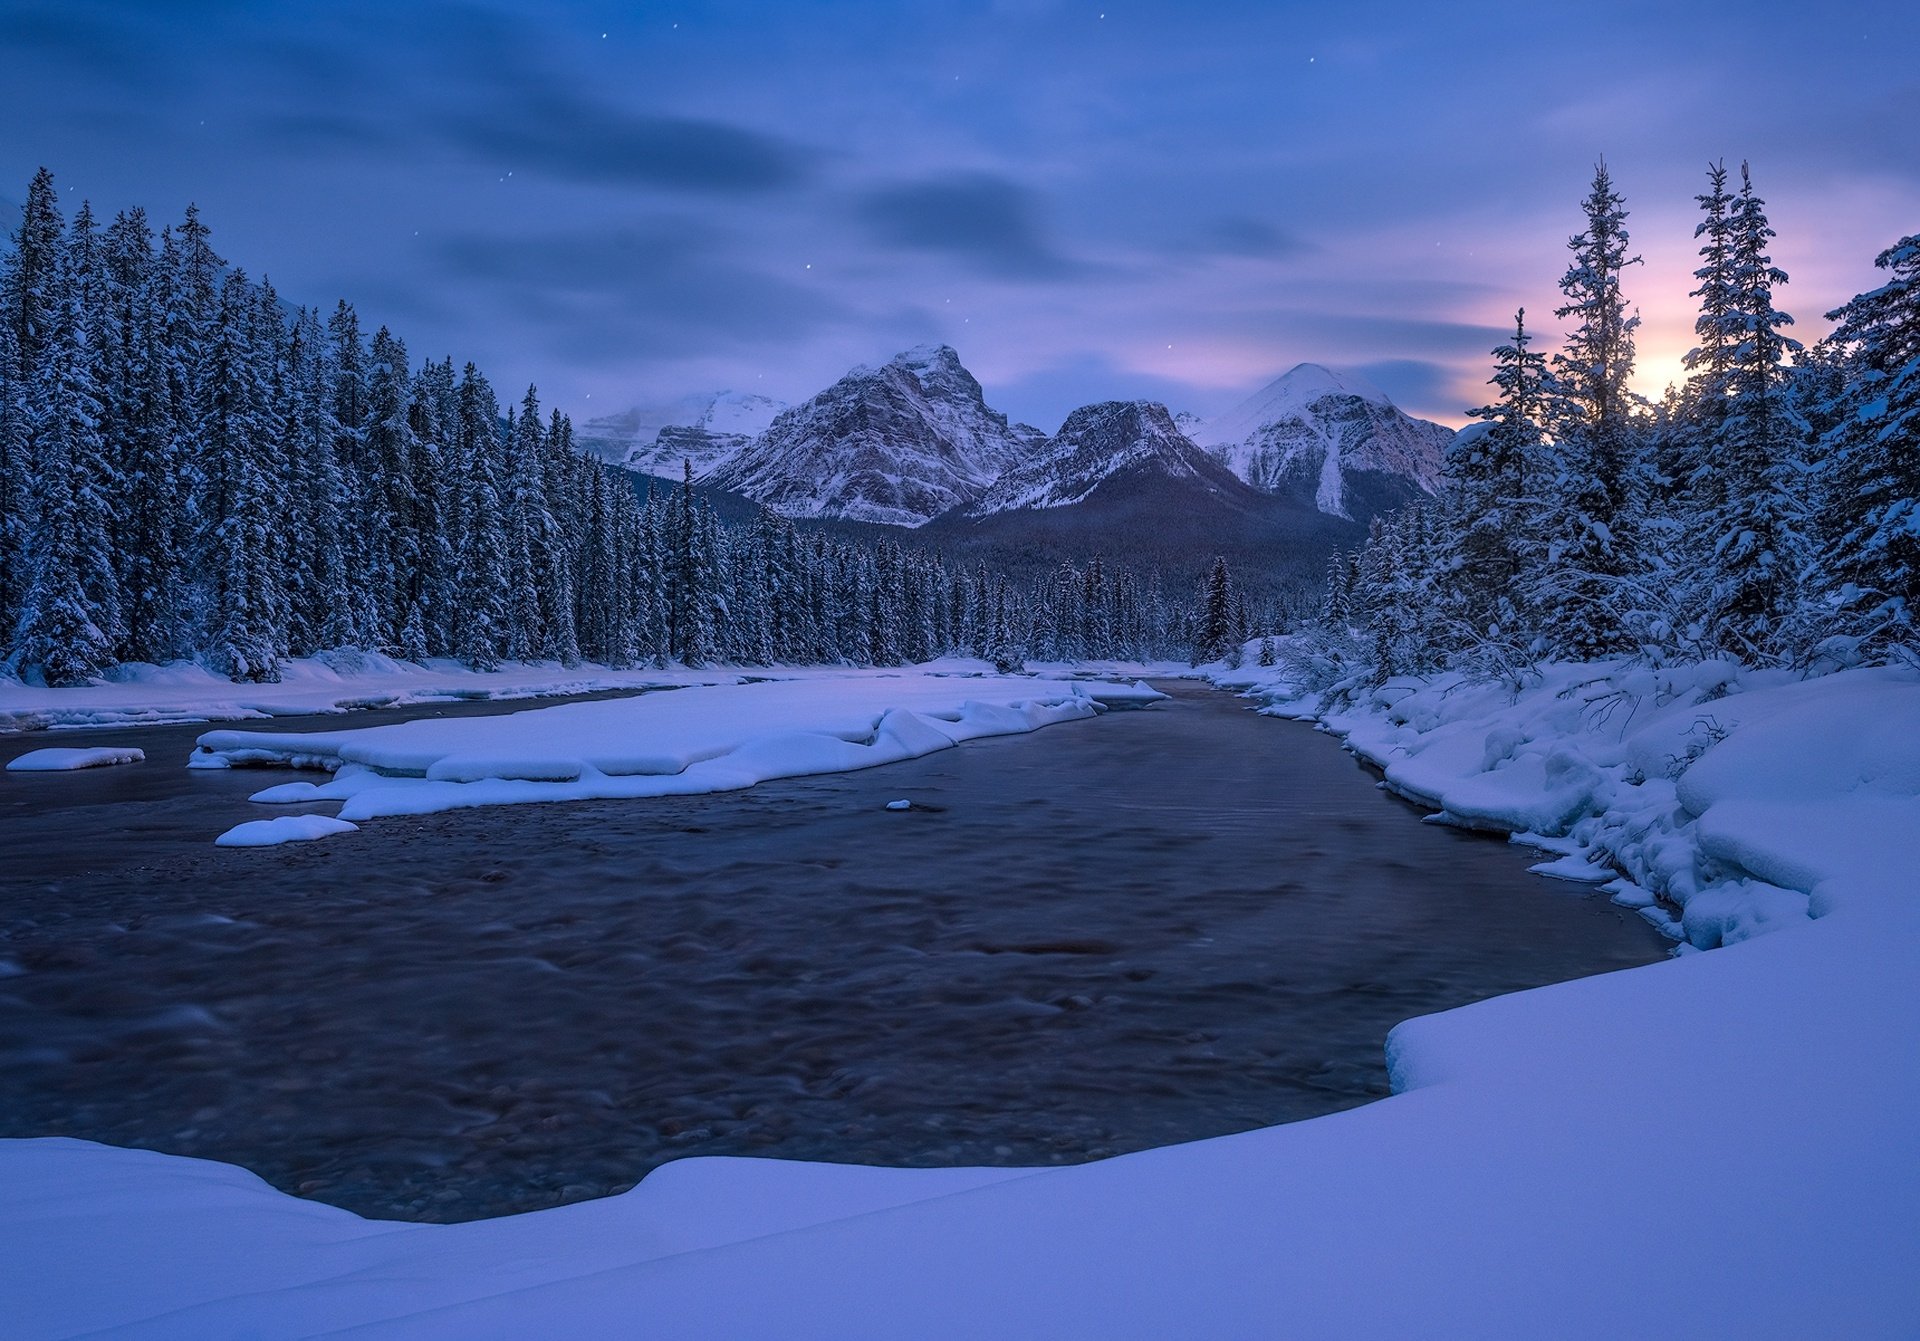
pixel 332 682
pixel 707 739
pixel 1723 1144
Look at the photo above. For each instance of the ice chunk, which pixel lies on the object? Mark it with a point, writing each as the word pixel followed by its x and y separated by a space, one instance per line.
pixel 288 793
pixel 285 829
pixel 899 805
pixel 65 760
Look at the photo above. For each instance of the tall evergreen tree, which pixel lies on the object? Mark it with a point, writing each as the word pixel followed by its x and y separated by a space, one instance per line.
pixel 1758 549
pixel 1871 509
pixel 1583 592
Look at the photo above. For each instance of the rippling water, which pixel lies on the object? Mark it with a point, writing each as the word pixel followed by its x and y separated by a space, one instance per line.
pixel 1150 927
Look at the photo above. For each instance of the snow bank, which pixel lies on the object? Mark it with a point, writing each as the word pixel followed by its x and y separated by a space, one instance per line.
pixel 333 682
pixel 284 829
pixel 719 738
pixel 61 761
pixel 1713 794
pixel 1718 1145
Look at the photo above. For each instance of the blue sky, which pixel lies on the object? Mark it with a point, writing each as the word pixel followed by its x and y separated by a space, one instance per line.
pixel 629 201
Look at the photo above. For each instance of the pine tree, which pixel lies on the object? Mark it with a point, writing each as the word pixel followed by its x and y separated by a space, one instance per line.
pixel 526 506
pixel 69 537
pixel 238 510
pixel 30 296
pixel 1494 474
pixel 1759 551
pixel 1583 594
pixel 137 408
pixel 484 599
pixel 1871 509
pixel 1216 618
pixel 353 622
pixel 1689 472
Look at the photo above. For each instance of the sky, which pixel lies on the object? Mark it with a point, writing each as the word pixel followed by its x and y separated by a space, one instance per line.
pixel 623 203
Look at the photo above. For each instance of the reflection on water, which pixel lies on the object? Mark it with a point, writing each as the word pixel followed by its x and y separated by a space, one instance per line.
pixel 1146 928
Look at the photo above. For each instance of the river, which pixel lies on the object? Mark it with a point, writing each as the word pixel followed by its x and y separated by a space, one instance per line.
pixel 1149 927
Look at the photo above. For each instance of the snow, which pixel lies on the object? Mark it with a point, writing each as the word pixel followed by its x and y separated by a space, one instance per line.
pixel 706 739
pixel 896 444
pixel 1096 443
pixel 184 691
pixel 1314 427
pixel 1286 396
pixel 630 437
pixel 1717 1145
pixel 64 760
pixel 284 829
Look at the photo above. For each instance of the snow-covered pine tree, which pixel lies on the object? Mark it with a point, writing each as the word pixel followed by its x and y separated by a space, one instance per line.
pixel 273 445
pixel 87 331
pixel 1687 472
pixel 431 407
pixel 30 295
pixel 393 511
pixel 69 534
pixel 483 600
pixel 1583 596
pixel 352 621
pixel 137 411
pixel 555 537
pixel 237 512
pixel 1215 631
pixel 1758 551
pixel 1495 473
pixel 1871 503
pixel 526 505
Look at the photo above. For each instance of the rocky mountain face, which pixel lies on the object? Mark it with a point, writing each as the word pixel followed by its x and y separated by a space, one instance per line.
pixel 1111 445
pixel 1329 438
pixel 897 444
pixel 657 438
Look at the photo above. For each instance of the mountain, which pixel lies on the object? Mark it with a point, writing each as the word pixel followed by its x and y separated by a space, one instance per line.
pixel 656 438
pixel 1332 439
pixel 1112 446
pixel 1121 481
pixel 898 444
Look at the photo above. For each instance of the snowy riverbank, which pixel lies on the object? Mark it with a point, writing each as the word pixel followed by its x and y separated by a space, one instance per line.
pixel 704 739
pixel 333 682
pixel 1717 1145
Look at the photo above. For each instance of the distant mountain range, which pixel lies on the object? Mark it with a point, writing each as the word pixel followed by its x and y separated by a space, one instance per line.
pixel 897 444
pixel 1277 482
pixel 657 438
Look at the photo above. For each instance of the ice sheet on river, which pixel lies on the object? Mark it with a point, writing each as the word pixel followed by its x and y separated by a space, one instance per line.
pixel 717 738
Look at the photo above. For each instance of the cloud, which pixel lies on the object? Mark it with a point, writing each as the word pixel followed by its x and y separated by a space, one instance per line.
pixel 1416 384
pixel 1236 235
pixel 988 222
pixel 548 128
pixel 662 287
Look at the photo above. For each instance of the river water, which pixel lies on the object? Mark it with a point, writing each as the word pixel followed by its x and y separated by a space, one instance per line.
pixel 1149 927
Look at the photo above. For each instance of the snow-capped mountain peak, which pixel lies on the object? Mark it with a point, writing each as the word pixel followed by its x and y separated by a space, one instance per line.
pixel 1288 394
pixel 1332 437
pixel 899 443
pixel 656 437
pixel 1135 439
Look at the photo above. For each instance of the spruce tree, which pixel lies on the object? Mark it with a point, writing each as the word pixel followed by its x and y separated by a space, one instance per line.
pixel 1495 474
pixel 68 541
pixel 1583 594
pixel 1758 548
pixel 1872 499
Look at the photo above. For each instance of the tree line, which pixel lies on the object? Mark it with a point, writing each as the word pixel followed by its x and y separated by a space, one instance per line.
pixel 191 469
pixel 1766 510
